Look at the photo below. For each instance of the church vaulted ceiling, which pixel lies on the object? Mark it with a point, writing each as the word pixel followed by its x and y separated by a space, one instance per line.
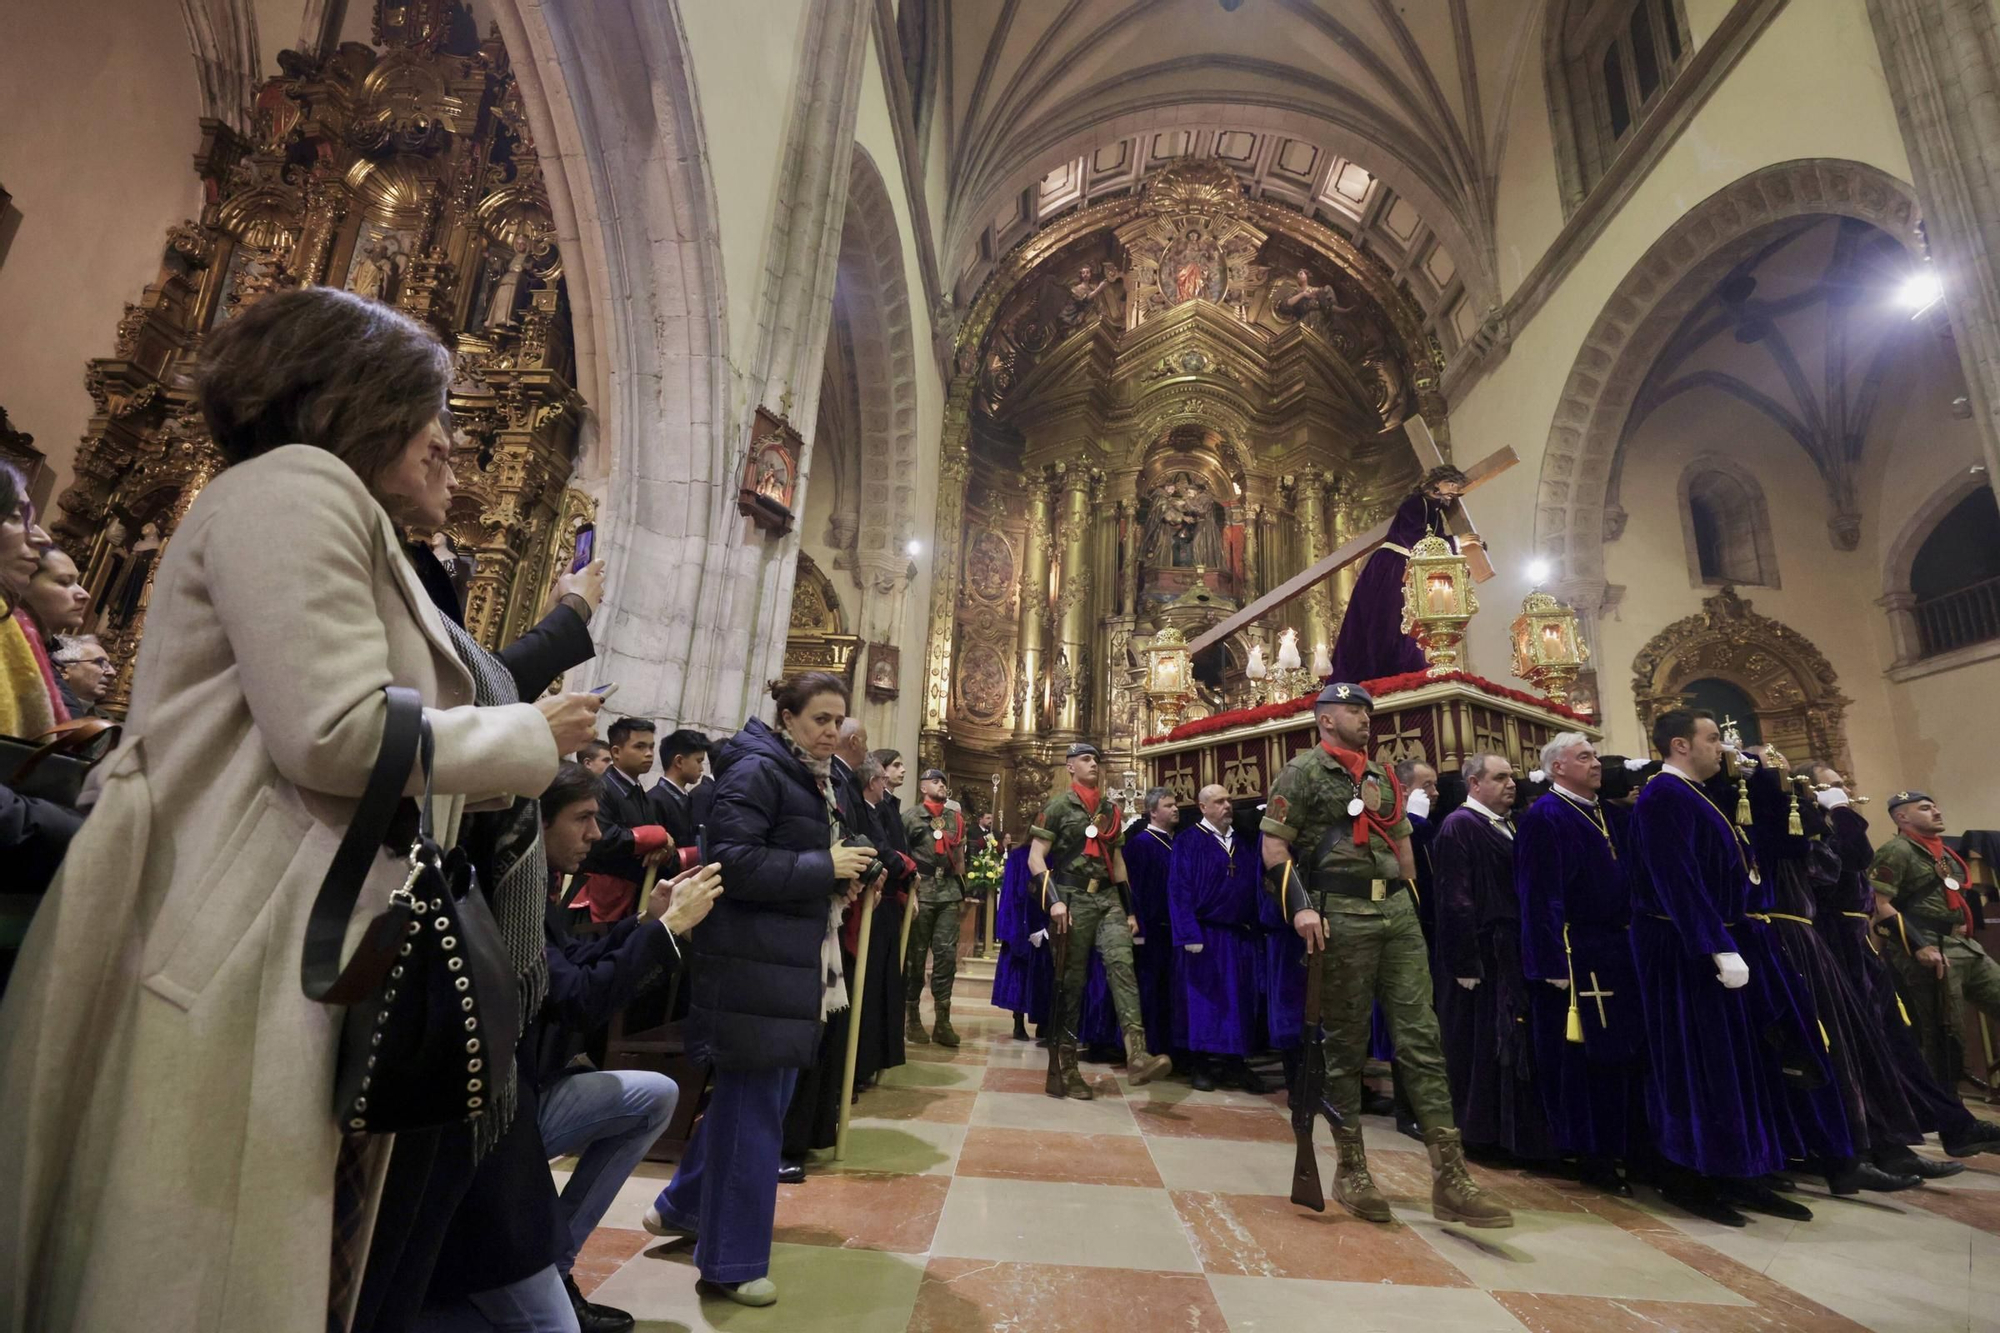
pixel 1377 119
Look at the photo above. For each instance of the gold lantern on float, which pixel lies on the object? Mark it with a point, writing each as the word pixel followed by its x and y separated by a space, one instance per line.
pixel 1437 602
pixel 1548 651
pixel 1169 677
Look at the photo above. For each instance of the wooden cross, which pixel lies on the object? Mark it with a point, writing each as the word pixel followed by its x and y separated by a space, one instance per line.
pixel 1600 995
pixel 1358 548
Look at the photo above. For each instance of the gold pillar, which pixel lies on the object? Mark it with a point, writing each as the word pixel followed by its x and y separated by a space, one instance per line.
pixel 1345 511
pixel 1253 549
pixel 1128 575
pixel 1071 670
pixel 1033 623
pixel 1309 501
pixel 954 468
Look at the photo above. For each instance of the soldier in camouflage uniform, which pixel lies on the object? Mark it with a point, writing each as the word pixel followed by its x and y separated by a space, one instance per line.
pixel 1340 816
pixel 935 828
pixel 1074 853
pixel 1919 882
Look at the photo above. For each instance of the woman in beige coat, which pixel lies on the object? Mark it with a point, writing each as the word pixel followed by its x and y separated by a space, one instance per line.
pixel 167 1143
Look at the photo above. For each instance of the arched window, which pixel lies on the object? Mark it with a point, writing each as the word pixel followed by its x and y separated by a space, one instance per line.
pixel 1729 704
pixel 1726 526
pixel 1610 61
pixel 1956 577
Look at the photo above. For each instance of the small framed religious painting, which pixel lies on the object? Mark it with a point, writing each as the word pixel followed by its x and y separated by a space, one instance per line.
pixel 770 473
pixel 884 670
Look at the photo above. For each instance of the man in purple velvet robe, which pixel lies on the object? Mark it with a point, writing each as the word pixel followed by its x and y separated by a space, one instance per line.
pixel 1483 1008
pixel 1017 917
pixel 1213 883
pixel 1576 953
pixel 1371 643
pixel 1148 846
pixel 1715 1099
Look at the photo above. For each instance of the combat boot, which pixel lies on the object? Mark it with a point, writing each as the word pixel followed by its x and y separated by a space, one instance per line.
pixel 1139 1066
pixel 1073 1083
pixel 913 1025
pixel 1454 1198
pixel 942 1031
pixel 1353 1188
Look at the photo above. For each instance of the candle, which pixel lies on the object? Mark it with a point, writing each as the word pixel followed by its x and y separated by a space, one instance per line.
pixel 1288 651
pixel 1322 663
pixel 1255 668
pixel 1440 590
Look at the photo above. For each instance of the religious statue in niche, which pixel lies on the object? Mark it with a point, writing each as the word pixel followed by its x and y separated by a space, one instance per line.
pixel 770 474
pixel 252 273
pixel 506 274
pixel 1313 303
pixel 884 666
pixel 1183 526
pixel 1095 293
pixel 378 261
pixel 125 591
pixel 1193 267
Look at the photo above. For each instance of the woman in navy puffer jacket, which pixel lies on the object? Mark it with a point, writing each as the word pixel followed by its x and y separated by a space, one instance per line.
pixel 766 974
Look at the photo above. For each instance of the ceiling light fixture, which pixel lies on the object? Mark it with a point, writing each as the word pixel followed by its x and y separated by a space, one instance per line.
pixel 1920 291
pixel 1538 572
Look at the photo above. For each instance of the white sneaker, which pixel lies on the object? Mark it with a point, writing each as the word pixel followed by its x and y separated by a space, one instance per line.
pixel 659 1226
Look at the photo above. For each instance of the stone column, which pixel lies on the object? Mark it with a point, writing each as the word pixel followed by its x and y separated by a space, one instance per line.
pixel 1070 673
pixel 1309 501
pixel 1253 553
pixel 1902 609
pixel 1941 59
pixel 1032 626
pixel 947 540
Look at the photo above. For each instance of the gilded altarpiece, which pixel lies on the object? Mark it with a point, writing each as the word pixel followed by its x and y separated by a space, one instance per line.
pixel 1169 403
pixel 403 172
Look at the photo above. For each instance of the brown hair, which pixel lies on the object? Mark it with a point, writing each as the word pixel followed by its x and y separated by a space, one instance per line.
pixel 323 367
pixel 793 695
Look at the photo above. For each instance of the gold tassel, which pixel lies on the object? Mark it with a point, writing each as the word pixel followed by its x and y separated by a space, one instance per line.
pixel 1573 1025
pixel 1792 824
pixel 1901 1010
pixel 1743 804
pixel 1824 1040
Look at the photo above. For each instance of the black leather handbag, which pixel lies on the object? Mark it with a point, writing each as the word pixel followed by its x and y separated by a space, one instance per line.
pixel 53 766
pixel 432 1011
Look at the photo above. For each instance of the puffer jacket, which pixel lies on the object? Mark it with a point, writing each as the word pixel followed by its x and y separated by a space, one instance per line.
pixel 756 985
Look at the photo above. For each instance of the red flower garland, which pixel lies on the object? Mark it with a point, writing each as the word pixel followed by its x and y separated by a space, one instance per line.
pixel 1387 685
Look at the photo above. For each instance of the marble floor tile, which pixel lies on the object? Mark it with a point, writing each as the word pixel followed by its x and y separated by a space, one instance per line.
pixel 863 1211
pixel 1226 1166
pixel 927 1074
pixel 1984 1284
pixel 1019 1110
pixel 971 1295
pixel 1190 1120
pixel 1173 1092
pixel 607 1250
pixel 1041 1154
pixel 1568 1254
pixel 820 1290
pixel 1888 1267
pixel 1030 1221
pixel 1290 1305
pixel 947 1106
pixel 904 1147
pixel 1034 1080
pixel 1262 1235
pixel 1788 1308
pixel 1595 1314
pixel 1975 1207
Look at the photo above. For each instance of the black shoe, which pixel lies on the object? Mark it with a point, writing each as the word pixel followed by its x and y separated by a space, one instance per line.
pixel 1202 1078
pixel 595 1318
pixel 1604 1177
pixel 1376 1103
pixel 1704 1203
pixel 1020 1026
pixel 1901 1161
pixel 1780 1182
pixel 1249 1079
pixel 1984 1137
pixel 1409 1129
pixel 791 1173
pixel 1754 1196
pixel 1868 1176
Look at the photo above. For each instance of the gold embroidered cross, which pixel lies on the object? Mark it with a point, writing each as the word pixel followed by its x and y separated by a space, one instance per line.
pixel 1600 995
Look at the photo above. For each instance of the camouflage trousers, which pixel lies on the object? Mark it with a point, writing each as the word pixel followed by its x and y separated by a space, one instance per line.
pixel 934 930
pixel 1096 921
pixel 1937 1006
pixel 1381 956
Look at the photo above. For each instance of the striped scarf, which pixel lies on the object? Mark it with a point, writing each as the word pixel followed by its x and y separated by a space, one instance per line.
pixel 833 980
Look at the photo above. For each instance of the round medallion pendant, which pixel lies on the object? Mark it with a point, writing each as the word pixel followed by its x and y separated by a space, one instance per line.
pixel 1090 830
pixel 1951 882
pixel 1756 875
pixel 1354 807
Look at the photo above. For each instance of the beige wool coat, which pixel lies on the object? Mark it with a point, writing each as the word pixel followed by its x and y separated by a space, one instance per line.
pixel 167 1142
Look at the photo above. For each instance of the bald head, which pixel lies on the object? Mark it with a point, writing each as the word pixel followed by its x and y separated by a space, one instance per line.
pixel 1214 802
pixel 852 746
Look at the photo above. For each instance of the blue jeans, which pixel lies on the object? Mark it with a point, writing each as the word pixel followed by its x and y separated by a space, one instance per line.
pixel 727 1184
pixel 535 1304
pixel 606 1119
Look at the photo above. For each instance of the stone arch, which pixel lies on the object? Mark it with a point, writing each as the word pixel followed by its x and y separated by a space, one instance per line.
pixel 1751 526
pixel 1797 695
pixel 872 295
pixel 222 36
pixel 609 96
pixel 1572 518
pixel 1899 599
pixel 1584 145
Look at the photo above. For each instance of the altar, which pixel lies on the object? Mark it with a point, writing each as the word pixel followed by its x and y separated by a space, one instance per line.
pixel 1437 719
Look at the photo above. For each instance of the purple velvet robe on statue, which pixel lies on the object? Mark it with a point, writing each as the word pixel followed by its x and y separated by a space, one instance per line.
pixel 1371 643
pixel 1146 851
pixel 1487 1053
pixel 1567 876
pixel 1714 1099
pixel 1212 897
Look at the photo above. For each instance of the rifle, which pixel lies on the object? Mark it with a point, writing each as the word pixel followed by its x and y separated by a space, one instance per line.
pixel 1309 1096
pixel 1054 1084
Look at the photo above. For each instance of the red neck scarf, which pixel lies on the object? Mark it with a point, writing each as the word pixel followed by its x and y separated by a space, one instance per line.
pixel 1367 821
pixel 954 830
pixel 1937 851
pixel 1088 797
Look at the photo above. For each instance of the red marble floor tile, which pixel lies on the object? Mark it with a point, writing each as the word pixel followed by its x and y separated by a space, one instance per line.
pixel 1593 1314
pixel 945 1106
pixel 1406 1178
pixel 1259 1235
pixel 1774 1298
pixel 1084 1159
pixel 862 1210
pixel 975 1295
pixel 604 1253
pixel 1975 1208
pixel 946 1055
pixel 1186 1121
pixel 1000 1078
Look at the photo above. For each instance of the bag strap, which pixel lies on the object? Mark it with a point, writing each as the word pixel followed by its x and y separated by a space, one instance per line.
pixel 70 739
pixel 403 730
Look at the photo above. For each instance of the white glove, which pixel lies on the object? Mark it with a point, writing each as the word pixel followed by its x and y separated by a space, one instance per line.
pixel 1734 971
pixel 1560 983
pixel 1469 983
pixel 1039 938
pixel 1537 775
pixel 1192 948
pixel 1419 803
pixel 1832 798
pixel 1634 765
